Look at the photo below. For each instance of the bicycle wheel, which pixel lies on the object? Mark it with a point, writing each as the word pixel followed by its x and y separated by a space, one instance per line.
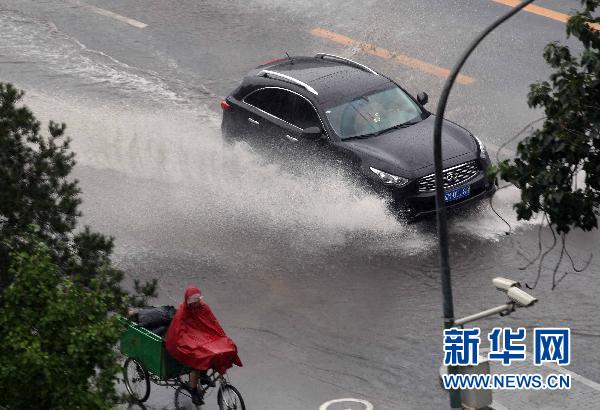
pixel 229 398
pixel 137 380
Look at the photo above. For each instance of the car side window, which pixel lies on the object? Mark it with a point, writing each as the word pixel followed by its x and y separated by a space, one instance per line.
pixel 273 101
pixel 304 114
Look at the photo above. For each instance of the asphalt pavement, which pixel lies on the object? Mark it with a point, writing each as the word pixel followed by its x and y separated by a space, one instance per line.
pixel 327 295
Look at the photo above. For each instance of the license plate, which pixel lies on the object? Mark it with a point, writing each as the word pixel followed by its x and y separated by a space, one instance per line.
pixel 458 193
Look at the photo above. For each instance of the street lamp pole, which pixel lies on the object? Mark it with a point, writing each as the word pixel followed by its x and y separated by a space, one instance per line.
pixel 442 226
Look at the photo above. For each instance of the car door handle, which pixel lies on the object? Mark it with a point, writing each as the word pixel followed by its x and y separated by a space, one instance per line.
pixel 254 122
pixel 291 138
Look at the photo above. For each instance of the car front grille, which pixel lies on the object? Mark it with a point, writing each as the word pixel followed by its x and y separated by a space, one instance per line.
pixel 453 176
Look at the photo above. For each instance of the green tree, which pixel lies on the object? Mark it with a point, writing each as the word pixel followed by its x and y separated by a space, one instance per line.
pixel 35 190
pixel 33 180
pixel 567 146
pixel 57 341
pixel 65 292
pixel 557 167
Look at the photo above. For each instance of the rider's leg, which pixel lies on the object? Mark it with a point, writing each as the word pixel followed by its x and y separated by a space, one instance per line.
pixel 194 379
pixel 196 396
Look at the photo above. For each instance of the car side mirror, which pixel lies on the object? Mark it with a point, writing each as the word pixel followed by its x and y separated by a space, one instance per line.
pixel 312 133
pixel 422 98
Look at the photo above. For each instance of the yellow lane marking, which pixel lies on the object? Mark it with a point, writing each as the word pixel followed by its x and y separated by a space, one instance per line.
pixel 542 11
pixel 388 55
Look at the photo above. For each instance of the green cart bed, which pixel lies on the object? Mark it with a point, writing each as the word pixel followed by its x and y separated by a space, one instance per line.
pixel 149 349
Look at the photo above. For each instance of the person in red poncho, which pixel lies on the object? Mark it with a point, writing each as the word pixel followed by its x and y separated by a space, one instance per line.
pixel 196 339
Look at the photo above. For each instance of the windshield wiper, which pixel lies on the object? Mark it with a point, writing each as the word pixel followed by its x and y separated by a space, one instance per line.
pixel 404 124
pixel 369 135
pixel 376 133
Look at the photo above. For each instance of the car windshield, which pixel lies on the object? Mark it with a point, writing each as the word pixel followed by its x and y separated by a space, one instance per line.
pixel 373 113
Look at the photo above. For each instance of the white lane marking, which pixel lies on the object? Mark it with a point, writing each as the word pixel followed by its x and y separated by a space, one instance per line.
pixel 110 14
pixel 325 406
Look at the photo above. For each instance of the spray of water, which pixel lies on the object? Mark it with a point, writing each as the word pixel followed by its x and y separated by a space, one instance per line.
pixel 231 184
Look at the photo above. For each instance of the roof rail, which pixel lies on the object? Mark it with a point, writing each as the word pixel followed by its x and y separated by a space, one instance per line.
pixel 347 61
pixel 283 77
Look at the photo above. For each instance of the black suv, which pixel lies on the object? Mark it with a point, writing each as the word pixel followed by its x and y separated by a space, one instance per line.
pixel 329 107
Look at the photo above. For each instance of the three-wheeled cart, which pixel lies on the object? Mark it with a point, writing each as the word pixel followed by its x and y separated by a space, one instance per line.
pixel 148 361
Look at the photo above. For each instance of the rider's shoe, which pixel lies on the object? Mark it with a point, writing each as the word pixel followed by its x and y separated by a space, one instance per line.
pixel 197 398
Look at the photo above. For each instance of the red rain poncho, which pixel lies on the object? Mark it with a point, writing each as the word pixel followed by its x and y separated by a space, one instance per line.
pixel 196 339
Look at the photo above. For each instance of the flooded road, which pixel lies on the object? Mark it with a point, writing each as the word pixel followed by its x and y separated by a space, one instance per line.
pixel 326 293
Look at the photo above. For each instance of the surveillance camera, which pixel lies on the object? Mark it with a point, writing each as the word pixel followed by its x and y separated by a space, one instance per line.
pixel 505 284
pixel 520 297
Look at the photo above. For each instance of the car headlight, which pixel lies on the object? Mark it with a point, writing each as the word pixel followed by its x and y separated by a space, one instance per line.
pixel 483 152
pixel 389 179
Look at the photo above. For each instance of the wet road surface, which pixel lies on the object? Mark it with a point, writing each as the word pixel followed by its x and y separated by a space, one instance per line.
pixel 327 295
